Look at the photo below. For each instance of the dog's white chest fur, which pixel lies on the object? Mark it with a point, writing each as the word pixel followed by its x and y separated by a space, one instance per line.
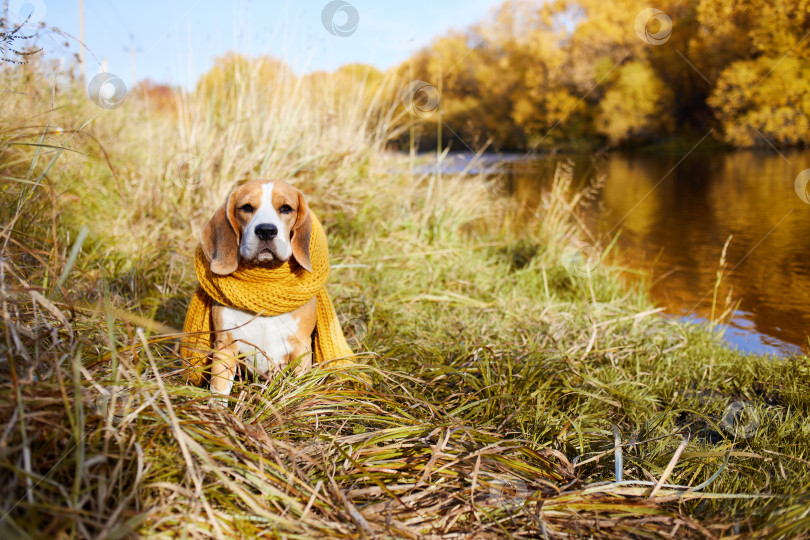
pixel 267 340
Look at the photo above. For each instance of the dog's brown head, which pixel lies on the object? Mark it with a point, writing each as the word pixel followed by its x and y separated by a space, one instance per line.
pixel 261 221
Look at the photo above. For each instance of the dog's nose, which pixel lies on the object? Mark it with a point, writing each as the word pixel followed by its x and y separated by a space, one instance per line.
pixel 266 231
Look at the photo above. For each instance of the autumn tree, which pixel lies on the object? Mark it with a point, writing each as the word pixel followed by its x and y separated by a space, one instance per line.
pixel 536 74
pixel 762 95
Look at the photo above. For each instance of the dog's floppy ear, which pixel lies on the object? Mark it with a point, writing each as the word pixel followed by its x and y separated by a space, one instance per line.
pixel 302 230
pixel 220 240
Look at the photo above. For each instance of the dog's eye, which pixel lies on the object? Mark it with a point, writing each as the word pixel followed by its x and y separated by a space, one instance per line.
pixel 246 208
pixel 285 209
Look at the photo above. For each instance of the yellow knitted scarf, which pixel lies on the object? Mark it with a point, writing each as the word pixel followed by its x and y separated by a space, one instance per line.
pixel 268 292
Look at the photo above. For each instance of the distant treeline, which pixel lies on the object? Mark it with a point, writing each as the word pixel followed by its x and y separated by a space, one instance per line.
pixel 542 74
pixel 536 75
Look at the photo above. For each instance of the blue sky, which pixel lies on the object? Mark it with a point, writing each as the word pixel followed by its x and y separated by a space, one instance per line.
pixel 177 40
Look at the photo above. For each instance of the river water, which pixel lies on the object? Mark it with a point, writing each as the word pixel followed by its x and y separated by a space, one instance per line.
pixel 675 211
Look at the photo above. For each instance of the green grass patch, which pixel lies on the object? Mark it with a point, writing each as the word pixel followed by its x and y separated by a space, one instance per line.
pixel 519 391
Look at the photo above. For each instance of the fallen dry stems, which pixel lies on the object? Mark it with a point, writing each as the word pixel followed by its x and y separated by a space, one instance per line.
pixel 507 382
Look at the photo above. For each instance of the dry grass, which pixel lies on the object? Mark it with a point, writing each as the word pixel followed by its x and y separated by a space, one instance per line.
pixel 515 395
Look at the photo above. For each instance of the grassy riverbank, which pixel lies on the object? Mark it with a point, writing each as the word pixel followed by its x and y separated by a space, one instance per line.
pixel 515 378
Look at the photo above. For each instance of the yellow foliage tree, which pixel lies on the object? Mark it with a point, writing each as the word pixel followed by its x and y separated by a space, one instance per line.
pixel 232 72
pixel 764 101
pixel 540 73
pixel 638 106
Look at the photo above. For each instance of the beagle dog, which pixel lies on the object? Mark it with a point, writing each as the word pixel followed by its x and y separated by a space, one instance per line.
pixel 264 222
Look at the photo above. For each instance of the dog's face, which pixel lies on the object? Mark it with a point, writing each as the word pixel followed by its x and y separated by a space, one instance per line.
pixel 262 221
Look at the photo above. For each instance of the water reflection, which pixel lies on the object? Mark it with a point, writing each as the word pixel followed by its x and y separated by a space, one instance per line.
pixel 675 213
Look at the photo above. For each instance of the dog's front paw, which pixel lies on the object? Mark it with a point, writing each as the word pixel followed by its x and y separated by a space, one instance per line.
pixel 220 402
